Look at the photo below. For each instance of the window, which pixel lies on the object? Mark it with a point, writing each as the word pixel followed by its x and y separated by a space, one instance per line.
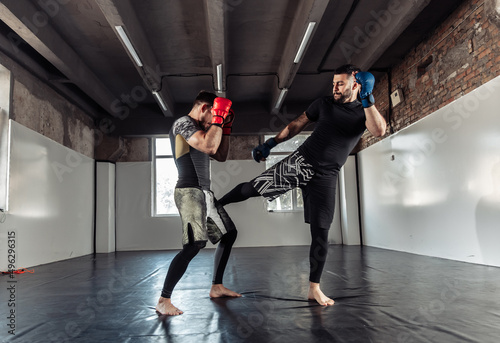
pixel 165 178
pixel 290 201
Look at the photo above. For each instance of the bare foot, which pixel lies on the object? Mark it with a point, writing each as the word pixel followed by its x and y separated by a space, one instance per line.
pixel 166 308
pixel 315 293
pixel 219 291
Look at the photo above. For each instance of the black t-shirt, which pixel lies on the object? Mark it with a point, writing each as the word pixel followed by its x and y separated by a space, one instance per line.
pixel 193 165
pixel 337 131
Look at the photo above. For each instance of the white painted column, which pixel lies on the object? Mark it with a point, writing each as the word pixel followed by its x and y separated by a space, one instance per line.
pixel 105 207
pixel 349 214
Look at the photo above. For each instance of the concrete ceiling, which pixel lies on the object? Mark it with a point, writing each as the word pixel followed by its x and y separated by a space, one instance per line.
pixel 74 46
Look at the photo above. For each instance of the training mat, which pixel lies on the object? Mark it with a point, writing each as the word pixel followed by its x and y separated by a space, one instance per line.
pixel 380 296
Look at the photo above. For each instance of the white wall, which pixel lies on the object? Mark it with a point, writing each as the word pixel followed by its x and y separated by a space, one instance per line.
pixel 51 197
pixel 136 229
pixel 440 196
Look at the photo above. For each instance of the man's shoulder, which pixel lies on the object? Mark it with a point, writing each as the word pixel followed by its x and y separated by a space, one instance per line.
pixel 321 102
pixel 184 120
pixel 326 99
pixel 185 126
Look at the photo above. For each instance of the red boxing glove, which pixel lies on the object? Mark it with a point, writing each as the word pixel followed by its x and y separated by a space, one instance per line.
pixel 228 123
pixel 220 110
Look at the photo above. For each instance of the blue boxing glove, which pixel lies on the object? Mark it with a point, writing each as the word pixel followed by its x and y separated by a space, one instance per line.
pixel 367 81
pixel 263 150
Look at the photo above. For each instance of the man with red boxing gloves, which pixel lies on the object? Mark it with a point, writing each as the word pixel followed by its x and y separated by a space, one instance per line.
pixel 340 121
pixel 196 137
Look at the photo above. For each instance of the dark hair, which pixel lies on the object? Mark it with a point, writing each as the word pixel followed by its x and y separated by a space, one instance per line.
pixel 347 69
pixel 204 97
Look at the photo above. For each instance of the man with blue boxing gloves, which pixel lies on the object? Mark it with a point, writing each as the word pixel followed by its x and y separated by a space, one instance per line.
pixel 340 121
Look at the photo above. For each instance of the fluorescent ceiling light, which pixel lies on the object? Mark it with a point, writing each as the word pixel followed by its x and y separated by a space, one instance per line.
pixel 160 101
pixel 281 98
pixel 219 77
pixel 128 45
pixel 305 40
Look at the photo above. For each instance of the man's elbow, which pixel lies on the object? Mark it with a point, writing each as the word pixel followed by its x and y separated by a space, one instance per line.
pixel 220 158
pixel 211 150
pixel 379 132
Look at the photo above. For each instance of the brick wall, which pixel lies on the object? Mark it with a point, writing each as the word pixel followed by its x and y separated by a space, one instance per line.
pixel 42 109
pixel 460 55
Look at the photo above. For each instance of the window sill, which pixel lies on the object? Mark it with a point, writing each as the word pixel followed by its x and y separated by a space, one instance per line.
pixel 166 215
pixel 285 211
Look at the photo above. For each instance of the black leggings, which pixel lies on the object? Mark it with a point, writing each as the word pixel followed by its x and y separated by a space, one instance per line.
pixel 317 252
pixel 181 261
pixel 222 255
pixel 319 236
pixel 239 193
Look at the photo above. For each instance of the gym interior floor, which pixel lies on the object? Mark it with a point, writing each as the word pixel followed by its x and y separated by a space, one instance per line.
pixel 380 296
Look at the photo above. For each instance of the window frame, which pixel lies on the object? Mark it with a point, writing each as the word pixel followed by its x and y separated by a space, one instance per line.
pixel 5 95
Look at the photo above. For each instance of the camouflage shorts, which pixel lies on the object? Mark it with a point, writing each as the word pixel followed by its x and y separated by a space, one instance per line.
pixel 203 218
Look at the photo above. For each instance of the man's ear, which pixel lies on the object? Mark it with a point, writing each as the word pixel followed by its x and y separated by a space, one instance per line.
pixel 203 107
pixel 355 84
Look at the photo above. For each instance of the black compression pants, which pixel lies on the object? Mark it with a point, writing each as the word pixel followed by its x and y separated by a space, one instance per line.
pixel 239 193
pixel 222 255
pixel 181 261
pixel 319 236
pixel 317 252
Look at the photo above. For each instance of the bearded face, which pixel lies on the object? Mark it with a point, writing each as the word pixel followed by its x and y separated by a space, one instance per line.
pixel 342 88
pixel 342 97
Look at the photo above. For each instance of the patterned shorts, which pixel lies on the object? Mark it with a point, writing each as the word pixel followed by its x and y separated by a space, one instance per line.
pixel 291 172
pixel 202 216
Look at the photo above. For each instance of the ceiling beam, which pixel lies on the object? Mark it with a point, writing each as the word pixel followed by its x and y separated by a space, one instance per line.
pixel 308 11
pixel 384 28
pixel 121 13
pixel 9 47
pixel 33 26
pixel 217 38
